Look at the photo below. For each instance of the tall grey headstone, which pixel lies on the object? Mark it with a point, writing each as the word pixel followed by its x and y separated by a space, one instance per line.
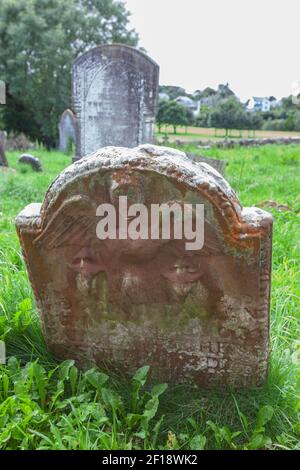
pixel 115 90
pixel 67 129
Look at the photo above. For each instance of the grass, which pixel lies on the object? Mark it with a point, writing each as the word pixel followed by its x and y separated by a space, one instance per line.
pixel 207 133
pixel 45 404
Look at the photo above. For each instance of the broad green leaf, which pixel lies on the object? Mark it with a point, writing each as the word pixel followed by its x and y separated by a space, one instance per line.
pixel 198 442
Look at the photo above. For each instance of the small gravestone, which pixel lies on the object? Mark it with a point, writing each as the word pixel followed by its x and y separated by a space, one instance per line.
pixel 204 147
pixel 218 165
pixel 32 161
pixel 198 315
pixel 3 138
pixel 67 130
pixel 3 159
pixel 115 89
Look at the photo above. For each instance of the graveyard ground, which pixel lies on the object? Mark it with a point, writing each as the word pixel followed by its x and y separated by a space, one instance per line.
pixel 208 133
pixel 47 405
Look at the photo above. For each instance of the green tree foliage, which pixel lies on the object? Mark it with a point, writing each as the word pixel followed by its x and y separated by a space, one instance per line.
pixel 224 91
pixel 203 119
pixel 208 91
pixel 255 121
pixel 229 114
pixel 161 113
pixel 39 39
pixel 173 114
pixel 284 117
pixel 297 121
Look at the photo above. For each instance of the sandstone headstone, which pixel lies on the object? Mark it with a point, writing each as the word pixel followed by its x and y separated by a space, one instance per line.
pixel 115 89
pixel 32 161
pixel 67 130
pixel 3 159
pixel 199 316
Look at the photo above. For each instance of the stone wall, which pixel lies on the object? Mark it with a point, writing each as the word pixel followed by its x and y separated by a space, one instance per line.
pixel 230 143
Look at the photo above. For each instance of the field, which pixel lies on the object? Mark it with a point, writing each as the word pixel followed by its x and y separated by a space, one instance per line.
pixel 205 133
pixel 45 404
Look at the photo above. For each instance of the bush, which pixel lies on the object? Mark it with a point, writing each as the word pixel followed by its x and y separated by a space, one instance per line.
pixel 297 121
pixel 274 125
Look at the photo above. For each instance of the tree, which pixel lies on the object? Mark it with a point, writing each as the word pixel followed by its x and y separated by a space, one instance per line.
pixel 161 113
pixel 203 119
pixel 255 121
pixel 176 115
pixel 190 118
pixel 39 39
pixel 228 114
pixel 224 91
pixel 208 91
pixel 297 121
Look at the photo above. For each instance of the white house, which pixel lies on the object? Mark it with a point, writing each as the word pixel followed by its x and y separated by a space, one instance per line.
pixel 256 104
pixel 190 104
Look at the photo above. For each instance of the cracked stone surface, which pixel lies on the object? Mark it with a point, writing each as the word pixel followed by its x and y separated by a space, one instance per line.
pixel 193 316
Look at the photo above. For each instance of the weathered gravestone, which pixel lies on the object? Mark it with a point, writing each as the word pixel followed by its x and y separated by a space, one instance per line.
pixel 33 162
pixel 217 164
pixel 67 130
pixel 3 159
pixel 115 89
pixel 193 315
pixel 3 137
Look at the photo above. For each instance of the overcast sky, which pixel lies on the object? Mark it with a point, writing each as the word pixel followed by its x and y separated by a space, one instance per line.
pixel 252 44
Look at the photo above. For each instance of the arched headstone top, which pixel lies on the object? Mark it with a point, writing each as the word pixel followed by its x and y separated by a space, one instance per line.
pixel 241 226
pixel 67 129
pixel 116 50
pixel 67 112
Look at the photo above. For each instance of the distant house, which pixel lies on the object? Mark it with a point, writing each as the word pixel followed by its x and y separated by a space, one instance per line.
pixel 258 104
pixel 163 96
pixel 209 101
pixel 190 104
